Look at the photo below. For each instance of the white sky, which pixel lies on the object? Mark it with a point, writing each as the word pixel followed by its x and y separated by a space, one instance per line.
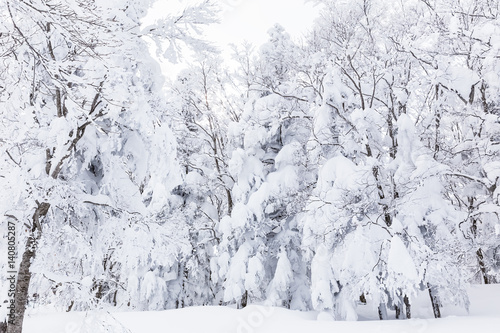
pixel 251 19
pixel 247 20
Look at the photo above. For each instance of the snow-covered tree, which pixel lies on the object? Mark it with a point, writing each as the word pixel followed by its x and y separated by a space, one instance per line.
pixel 356 168
pixel 268 166
pixel 84 136
pixel 199 103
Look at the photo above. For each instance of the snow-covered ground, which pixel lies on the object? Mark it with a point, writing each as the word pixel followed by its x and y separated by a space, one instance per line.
pixel 484 317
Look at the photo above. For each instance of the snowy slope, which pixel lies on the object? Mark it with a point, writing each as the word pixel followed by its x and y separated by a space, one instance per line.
pixel 484 317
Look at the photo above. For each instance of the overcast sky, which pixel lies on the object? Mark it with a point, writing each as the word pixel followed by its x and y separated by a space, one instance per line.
pixel 250 19
pixel 245 20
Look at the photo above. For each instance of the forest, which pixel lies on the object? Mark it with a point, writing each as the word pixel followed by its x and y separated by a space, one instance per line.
pixel 358 164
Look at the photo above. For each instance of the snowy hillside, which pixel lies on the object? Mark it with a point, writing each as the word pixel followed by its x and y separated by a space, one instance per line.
pixel 484 317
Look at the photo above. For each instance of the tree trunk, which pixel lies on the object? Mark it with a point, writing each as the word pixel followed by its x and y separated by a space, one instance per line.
pixel 482 266
pixel 244 300
pixel 382 311
pixel 404 303
pixel 408 307
pixel 434 301
pixel 479 252
pixel 24 275
pixel 229 202
pixel 398 311
pixel 15 325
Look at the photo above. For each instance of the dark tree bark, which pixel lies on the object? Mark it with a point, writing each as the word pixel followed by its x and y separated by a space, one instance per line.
pixel 398 311
pixel 482 266
pixel 22 286
pixel 479 252
pixel 404 303
pixel 382 311
pixel 408 307
pixel 229 202
pixel 24 273
pixel 434 301
pixel 244 300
